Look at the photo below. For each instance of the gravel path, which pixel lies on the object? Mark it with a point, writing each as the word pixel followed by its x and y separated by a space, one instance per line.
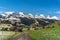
pixel 23 36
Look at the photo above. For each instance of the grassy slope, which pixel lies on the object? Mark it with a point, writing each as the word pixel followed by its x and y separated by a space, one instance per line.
pixel 5 25
pixel 46 34
pixel 6 35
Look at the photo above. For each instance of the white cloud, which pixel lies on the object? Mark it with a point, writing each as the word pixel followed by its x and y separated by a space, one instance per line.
pixel 42 16
pixel 55 17
pixel 21 13
pixel 8 13
pixel 30 15
pixel 3 14
pixel 48 17
pixel 36 16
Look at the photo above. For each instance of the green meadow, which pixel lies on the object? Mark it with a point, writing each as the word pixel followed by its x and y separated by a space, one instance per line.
pixel 46 34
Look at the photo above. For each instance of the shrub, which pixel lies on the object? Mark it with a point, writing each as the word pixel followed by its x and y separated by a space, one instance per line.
pixel 19 29
pixel 12 28
pixel 4 29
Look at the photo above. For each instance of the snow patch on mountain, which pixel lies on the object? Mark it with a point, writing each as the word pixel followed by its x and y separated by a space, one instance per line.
pixel 21 14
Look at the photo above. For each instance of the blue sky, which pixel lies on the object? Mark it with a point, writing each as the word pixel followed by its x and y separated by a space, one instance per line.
pixel 46 7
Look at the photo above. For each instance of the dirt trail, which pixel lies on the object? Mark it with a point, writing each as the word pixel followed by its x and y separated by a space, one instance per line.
pixel 23 36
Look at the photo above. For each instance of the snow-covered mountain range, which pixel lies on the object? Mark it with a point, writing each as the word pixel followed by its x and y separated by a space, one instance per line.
pixel 14 15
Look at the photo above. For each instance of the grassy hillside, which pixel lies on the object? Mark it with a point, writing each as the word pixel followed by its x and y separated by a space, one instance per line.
pixel 6 35
pixel 5 25
pixel 46 34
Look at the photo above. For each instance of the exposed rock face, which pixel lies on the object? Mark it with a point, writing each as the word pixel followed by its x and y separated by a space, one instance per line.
pixel 27 21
